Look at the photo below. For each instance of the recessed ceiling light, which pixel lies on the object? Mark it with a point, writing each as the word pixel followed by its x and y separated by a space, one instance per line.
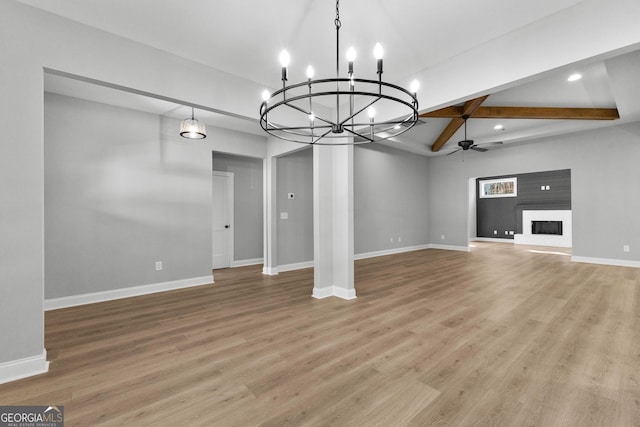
pixel 574 77
pixel 498 127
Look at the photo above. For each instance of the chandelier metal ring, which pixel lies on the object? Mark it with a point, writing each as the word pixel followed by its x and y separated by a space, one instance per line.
pixel 309 112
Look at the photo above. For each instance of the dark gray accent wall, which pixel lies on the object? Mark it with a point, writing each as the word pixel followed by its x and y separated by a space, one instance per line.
pixel 504 214
pixel 247 201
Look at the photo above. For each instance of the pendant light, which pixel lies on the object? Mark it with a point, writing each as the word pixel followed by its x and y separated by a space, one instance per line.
pixel 192 128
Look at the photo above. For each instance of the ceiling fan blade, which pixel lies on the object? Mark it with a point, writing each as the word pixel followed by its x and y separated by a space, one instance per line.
pixel 454 151
pixel 480 149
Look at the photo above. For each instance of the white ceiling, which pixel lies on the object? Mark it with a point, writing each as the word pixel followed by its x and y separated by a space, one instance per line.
pixel 244 37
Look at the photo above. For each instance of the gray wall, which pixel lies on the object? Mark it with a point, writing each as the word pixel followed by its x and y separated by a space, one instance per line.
pixel 295 234
pixel 390 199
pixel 247 200
pixel 122 191
pixel 604 173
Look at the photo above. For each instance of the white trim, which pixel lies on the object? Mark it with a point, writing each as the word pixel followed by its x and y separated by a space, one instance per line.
pixel 247 262
pixel 393 251
pixel 343 293
pixel 320 293
pixel 93 297
pixel 450 248
pixel 334 291
pixel 606 261
pixel 23 368
pixel 270 271
pixel 296 266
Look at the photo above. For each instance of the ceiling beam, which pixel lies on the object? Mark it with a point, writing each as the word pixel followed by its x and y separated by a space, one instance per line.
pixel 552 113
pixel 445 113
pixel 468 108
pixel 546 113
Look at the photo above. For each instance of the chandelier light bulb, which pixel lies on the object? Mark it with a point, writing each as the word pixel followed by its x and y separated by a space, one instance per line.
pixel 351 54
pixel 284 58
pixel 310 72
pixel 378 51
pixel 371 112
pixel 265 95
pixel 415 86
pixel 312 117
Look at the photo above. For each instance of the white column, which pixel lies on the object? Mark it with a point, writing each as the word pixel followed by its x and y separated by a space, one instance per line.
pixel 270 231
pixel 333 221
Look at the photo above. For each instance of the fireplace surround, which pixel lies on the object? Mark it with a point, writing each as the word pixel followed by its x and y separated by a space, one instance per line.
pixel 545 228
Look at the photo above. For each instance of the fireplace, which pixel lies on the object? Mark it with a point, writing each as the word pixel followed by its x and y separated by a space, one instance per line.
pixel 546 227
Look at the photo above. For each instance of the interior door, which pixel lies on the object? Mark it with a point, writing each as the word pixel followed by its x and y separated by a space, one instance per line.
pixel 222 230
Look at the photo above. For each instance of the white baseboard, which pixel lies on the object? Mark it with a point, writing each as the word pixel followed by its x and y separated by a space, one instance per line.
pixel 296 266
pixel 90 298
pixel 247 262
pixel 334 291
pixel 606 261
pixel 393 251
pixel 450 248
pixel 270 271
pixel 23 368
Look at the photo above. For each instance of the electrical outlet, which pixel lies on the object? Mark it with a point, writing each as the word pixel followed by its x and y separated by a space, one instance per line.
pixel 625 248
pixel 511 233
pixel 495 231
pixel 284 215
pixel 158 265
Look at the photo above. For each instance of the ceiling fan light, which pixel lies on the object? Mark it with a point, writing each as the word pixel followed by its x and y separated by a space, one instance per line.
pixel 574 77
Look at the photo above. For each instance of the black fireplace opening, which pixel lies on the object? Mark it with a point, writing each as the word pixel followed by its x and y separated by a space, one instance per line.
pixel 546 227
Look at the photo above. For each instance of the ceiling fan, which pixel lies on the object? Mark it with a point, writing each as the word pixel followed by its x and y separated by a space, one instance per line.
pixel 469 144
pixel 473 108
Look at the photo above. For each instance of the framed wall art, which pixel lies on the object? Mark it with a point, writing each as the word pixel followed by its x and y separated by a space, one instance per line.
pixel 502 187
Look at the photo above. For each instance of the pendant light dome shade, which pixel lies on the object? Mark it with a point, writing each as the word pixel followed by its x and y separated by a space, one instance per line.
pixel 192 128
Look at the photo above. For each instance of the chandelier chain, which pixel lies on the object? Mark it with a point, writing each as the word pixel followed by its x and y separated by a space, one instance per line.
pixel 337 21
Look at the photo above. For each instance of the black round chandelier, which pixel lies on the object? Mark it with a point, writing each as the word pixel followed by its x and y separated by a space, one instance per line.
pixel 340 110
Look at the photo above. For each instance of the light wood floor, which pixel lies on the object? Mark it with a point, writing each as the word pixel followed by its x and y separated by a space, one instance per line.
pixel 500 336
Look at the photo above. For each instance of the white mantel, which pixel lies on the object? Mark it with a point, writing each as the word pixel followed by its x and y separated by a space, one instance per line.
pixel 527 238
